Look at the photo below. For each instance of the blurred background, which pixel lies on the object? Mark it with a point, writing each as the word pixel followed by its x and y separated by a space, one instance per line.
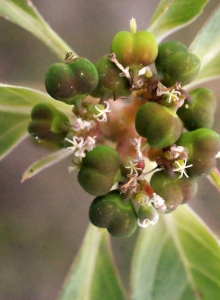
pixel 44 219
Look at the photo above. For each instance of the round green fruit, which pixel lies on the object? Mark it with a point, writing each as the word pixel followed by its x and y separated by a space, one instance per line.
pixel 48 123
pixel 99 170
pixel 112 212
pixel 173 190
pixel 175 64
pixel 71 82
pixel 199 111
pixel 135 49
pixel 111 84
pixel 202 146
pixel 159 124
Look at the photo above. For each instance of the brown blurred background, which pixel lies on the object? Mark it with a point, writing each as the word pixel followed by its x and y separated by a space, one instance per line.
pixel 43 220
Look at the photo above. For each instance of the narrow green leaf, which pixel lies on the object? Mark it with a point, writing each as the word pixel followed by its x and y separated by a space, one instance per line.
pixel 172 15
pixel 214 178
pixel 93 275
pixel 16 104
pixel 25 14
pixel 176 259
pixel 44 163
pixel 206 46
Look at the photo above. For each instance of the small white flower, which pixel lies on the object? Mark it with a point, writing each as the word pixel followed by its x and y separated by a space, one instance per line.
pixel 133 167
pixel 172 95
pixel 77 143
pixel 181 166
pixel 80 146
pixel 158 202
pixel 145 223
pixel 81 124
pixel 101 116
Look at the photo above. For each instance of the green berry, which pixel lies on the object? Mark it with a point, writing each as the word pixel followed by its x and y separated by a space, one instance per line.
pixel 111 211
pixel 199 111
pixel 71 82
pixel 173 190
pixel 48 123
pixel 175 64
pixel 202 146
pixel 99 170
pixel 159 124
pixel 147 213
pixel 110 85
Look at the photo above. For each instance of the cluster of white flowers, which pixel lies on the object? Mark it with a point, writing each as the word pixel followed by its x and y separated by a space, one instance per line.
pixel 79 145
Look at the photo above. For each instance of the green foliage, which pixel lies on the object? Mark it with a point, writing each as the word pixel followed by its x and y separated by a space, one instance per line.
pixel 171 15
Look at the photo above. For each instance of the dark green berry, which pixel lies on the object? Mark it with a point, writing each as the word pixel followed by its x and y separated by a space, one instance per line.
pixel 202 146
pixel 111 211
pixel 175 64
pixel 159 124
pixel 48 123
pixel 99 170
pixel 199 111
pixel 71 82
pixel 111 84
pixel 174 190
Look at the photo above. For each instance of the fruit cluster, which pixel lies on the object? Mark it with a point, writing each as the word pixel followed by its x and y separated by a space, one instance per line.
pixel 126 117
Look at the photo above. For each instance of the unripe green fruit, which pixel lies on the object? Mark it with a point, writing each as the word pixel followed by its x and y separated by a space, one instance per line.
pixel 71 82
pixel 199 112
pixel 147 212
pixel 99 170
pixel 159 124
pixel 202 145
pixel 135 50
pixel 173 190
pixel 110 84
pixel 175 64
pixel 112 212
pixel 48 123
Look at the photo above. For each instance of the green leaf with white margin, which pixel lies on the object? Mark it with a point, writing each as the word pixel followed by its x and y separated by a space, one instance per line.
pixel 93 275
pixel 25 14
pixel 16 104
pixel 172 15
pixel 206 46
pixel 178 259
pixel 44 163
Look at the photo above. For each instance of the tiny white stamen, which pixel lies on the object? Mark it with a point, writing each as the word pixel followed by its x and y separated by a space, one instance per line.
pixel 146 222
pixel 132 166
pixel 181 166
pixel 101 116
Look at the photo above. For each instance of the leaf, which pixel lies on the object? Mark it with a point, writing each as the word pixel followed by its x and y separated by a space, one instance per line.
pixel 214 178
pixel 16 104
pixel 93 275
pixel 172 15
pixel 176 259
pixel 44 163
pixel 206 46
pixel 25 14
